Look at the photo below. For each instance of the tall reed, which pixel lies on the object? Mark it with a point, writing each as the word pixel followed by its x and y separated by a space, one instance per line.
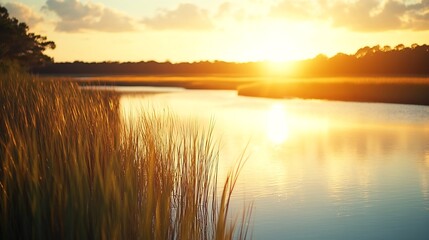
pixel 71 169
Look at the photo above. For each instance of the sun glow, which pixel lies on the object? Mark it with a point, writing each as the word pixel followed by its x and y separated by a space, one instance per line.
pixel 279 67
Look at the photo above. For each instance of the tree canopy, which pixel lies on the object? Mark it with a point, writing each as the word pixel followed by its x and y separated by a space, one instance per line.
pixel 373 61
pixel 18 44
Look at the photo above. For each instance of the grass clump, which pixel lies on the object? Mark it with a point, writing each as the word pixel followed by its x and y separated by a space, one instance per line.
pixel 71 169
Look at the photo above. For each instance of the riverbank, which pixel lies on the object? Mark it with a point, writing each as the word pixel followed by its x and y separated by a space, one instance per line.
pixel 416 93
pixel 400 90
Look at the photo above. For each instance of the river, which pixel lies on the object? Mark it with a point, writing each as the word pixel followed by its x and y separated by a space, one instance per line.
pixel 317 169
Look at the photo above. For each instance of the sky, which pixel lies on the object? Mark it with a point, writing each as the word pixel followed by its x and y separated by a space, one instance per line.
pixel 238 30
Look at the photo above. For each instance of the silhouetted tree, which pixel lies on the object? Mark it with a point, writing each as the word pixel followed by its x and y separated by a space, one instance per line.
pixel 376 49
pixel 17 44
pixel 387 48
pixel 399 47
pixel 362 52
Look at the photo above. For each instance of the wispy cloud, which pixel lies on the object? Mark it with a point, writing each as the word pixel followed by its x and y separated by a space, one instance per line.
pixel 77 16
pixel 23 13
pixel 185 17
pixel 360 15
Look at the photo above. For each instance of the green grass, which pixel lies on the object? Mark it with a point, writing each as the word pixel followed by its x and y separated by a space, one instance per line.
pixel 71 169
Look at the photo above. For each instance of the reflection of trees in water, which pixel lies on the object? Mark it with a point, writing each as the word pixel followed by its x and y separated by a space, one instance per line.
pixel 357 144
pixel 349 160
pixel 359 155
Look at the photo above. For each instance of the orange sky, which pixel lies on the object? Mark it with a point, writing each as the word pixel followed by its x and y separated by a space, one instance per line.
pixel 238 30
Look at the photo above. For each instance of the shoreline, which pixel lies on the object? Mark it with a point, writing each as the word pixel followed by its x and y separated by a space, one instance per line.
pixel 397 93
pixel 399 90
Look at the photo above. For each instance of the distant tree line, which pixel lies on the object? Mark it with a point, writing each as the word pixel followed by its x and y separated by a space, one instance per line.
pixel 372 61
pixel 367 61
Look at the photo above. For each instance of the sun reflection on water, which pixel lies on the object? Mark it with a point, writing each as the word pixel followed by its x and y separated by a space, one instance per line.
pixel 132 108
pixel 277 124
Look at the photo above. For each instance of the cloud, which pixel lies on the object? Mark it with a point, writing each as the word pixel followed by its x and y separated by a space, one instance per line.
pixel 185 17
pixel 295 10
pixel 23 13
pixel 76 16
pixel 369 15
pixel 252 11
pixel 224 10
pixel 418 15
pixel 359 15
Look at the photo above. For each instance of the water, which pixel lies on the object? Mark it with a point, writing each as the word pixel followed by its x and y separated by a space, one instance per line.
pixel 318 169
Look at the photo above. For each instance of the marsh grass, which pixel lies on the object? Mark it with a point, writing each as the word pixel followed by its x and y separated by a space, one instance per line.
pixel 71 169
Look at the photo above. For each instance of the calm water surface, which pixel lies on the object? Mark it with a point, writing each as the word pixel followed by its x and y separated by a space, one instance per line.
pixel 318 169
